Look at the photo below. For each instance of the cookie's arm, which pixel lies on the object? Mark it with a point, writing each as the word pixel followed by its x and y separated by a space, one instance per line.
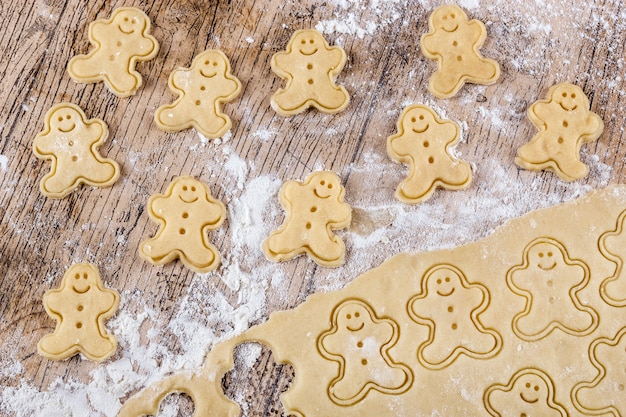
pixel 595 126
pixel 337 58
pixel 179 78
pixel 146 44
pixel 53 302
pixel 43 145
pixel 428 45
pixel 98 32
pixel 401 145
pixel 280 65
pixel 230 88
pixel 98 130
pixel 217 212
pixel 476 32
pixel 158 207
pixel 539 112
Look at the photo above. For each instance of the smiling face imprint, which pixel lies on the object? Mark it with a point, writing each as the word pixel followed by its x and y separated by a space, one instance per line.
pixel 325 186
pixel 352 317
pixel 447 18
pixel 64 120
pixel 188 191
pixel 307 43
pixel 443 282
pixel 210 64
pixel 531 388
pixel 129 23
pixel 569 97
pixel 545 256
pixel 417 120
pixel 81 282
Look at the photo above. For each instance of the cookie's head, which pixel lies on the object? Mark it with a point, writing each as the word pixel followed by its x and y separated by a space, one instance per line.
pixel 545 255
pixel 64 119
pixel 418 119
pixel 325 184
pixel 130 21
pixel 530 388
pixel 188 190
pixel 352 316
pixel 570 97
pixel 81 278
pixel 307 42
pixel 448 18
pixel 444 282
pixel 210 64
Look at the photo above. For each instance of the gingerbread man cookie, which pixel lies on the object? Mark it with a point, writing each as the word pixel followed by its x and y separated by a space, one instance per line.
pixel 71 141
pixel 565 123
pixel 314 209
pixel 80 306
pixel 605 394
pixel 422 142
pixel 550 281
pixel 360 342
pixel 450 306
pixel 119 43
pixel 310 66
pixel 201 89
pixel 529 393
pixel 612 245
pixel 185 212
pixel 454 42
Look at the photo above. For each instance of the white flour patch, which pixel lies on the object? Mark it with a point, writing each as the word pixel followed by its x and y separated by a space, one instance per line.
pixel 4 163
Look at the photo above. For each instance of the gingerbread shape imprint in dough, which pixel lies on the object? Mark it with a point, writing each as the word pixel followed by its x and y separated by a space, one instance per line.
pixel 119 43
pixel 322 339
pixel 71 141
pixel 185 213
pixel 550 280
pixel 314 209
pixel 450 306
pixel 454 42
pixel 612 245
pixel 605 394
pixel 530 392
pixel 565 123
pixel 201 90
pixel 310 67
pixel 80 307
pixel 423 142
pixel 360 341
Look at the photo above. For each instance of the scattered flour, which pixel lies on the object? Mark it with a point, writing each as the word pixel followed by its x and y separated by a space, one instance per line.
pixel 4 163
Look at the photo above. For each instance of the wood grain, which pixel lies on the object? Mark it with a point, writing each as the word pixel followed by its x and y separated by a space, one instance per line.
pixel 40 237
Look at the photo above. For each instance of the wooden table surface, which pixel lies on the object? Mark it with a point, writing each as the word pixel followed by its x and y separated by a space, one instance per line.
pixel 538 44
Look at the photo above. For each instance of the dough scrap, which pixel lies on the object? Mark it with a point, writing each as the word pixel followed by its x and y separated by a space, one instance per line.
pixel 119 43
pixel 310 66
pixel 613 246
pixel 71 141
pixel 574 372
pixel 80 307
pixel 201 89
pixel 314 209
pixel 454 42
pixel 185 213
pixel 422 142
pixel 565 123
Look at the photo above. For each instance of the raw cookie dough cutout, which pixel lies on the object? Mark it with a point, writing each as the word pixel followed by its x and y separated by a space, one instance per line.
pixel 450 306
pixel 550 280
pixel 80 307
pixel 119 43
pixel 565 123
pixel 612 244
pixel 71 141
pixel 185 213
pixel 359 342
pixel 320 338
pixel 314 209
pixel 201 90
pixel 530 392
pixel 605 394
pixel 310 66
pixel 454 42
pixel 422 142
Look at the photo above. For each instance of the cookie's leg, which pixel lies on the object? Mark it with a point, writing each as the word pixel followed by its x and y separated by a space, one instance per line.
pixel 445 83
pixel 158 249
pixel 172 118
pixel 281 243
pixel 200 257
pixel 85 68
pixel 331 97
pixel 292 99
pixel 101 172
pixel 121 81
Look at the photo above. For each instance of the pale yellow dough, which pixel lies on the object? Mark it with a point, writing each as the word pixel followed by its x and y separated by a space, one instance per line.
pixel 423 142
pixel 71 141
pixel 119 43
pixel 511 325
pixel 454 42
pixel 565 123
pixel 314 208
pixel 309 66
pixel 201 89
pixel 185 213
pixel 80 307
